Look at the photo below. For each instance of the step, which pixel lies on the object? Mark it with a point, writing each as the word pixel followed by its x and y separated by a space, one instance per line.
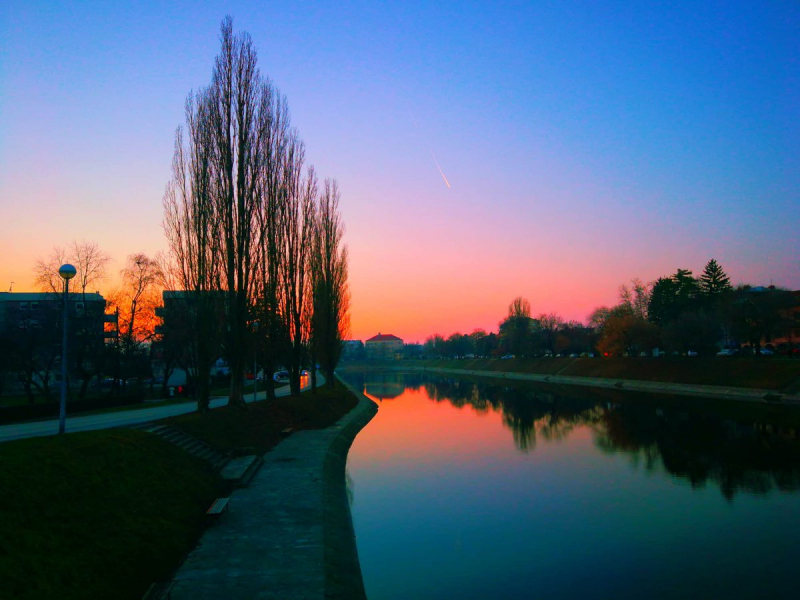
pixel 206 454
pixel 251 472
pixel 241 469
pixel 193 446
pixel 172 435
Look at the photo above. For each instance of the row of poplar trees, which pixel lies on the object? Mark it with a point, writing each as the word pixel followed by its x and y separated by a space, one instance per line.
pixel 255 240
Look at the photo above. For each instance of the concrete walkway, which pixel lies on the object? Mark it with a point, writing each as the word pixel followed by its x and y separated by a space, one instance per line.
pixel 289 534
pixel 653 387
pixel 122 418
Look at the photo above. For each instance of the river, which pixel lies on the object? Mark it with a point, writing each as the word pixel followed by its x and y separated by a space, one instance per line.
pixel 465 489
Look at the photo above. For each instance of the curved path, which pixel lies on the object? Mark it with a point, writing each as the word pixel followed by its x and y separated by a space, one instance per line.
pixel 122 418
pixel 288 534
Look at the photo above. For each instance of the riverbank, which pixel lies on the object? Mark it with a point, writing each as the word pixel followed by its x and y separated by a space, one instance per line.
pixel 106 513
pixel 748 379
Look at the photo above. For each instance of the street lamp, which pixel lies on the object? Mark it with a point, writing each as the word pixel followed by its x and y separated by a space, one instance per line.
pixel 255 363
pixel 67 272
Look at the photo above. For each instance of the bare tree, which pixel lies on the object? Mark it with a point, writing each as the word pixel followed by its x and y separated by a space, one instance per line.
pixel 549 326
pixel 90 262
pixel 240 208
pixel 516 329
pixel 192 232
pixel 87 258
pixel 297 222
pixel 269 241
pixel 239 112
pixel 138 297
pixel 46 275
pixel 331 296
pixel 519 307
pixel 636 297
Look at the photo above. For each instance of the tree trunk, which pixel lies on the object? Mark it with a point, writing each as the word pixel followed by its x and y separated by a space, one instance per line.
pixel 84 386
pixel 330 377
pixel 313 371
pixel 236 397
pixel 269 369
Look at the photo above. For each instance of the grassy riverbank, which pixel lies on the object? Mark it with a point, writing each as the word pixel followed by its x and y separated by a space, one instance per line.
pixel 262 425
pixel 104 514
pixel 778 374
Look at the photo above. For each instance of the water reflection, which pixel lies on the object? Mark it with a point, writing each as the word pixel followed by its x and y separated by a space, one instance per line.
pixel 384 386
pixel 734 455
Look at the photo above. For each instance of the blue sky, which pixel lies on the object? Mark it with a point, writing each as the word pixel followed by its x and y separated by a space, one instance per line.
pixel 585 142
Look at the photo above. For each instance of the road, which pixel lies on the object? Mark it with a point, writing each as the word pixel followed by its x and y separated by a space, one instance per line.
pixel 124 418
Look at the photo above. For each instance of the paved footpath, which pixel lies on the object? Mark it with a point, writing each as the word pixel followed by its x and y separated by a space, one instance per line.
pixel 289 534
pixel 122 418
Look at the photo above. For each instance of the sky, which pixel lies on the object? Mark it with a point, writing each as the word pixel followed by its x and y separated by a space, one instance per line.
pixel 484 151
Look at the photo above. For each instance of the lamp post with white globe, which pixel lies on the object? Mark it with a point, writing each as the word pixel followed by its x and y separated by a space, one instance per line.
pixel 67 272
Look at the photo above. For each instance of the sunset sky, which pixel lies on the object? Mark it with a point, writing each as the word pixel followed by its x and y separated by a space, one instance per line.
pixel 584 143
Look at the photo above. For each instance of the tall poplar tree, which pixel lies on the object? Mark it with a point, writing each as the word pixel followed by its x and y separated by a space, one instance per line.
pixel 330 295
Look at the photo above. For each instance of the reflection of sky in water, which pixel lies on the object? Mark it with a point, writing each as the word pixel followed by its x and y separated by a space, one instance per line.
pixel 446 505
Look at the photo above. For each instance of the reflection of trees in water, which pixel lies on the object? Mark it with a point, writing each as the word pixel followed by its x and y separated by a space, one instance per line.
pixel 383 385
pixel 528 414
pixel 754 457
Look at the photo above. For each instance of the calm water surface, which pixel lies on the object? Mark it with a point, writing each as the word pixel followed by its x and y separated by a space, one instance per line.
pixel 472 490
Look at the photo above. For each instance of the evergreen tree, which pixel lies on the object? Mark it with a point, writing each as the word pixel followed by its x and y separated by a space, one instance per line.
pixel 672 296
pixel 714 280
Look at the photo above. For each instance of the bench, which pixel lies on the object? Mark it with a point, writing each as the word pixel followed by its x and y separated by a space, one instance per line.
pixel 219 505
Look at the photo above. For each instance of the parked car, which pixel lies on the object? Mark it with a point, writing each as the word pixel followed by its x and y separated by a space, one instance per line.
pixel 727 352
pixel 281 376
pixel 507 356
pixel 766 352
pixel 691 353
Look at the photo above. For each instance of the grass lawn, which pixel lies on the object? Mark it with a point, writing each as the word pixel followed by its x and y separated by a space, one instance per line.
pixel 104 514
pixel 97 515
pixel 260 425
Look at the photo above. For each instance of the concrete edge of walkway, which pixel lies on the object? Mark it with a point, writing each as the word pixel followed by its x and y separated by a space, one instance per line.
pixel 635 385
pixel 342 567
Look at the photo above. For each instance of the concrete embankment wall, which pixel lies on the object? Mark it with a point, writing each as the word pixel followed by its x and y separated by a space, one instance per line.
pixel 656 387
pixel 342 567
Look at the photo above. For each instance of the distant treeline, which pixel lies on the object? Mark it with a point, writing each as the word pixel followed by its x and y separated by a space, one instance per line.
pixel 679 313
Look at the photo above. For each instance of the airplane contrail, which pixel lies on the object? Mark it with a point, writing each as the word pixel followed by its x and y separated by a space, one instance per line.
pixel 436 162
pixel 447 183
